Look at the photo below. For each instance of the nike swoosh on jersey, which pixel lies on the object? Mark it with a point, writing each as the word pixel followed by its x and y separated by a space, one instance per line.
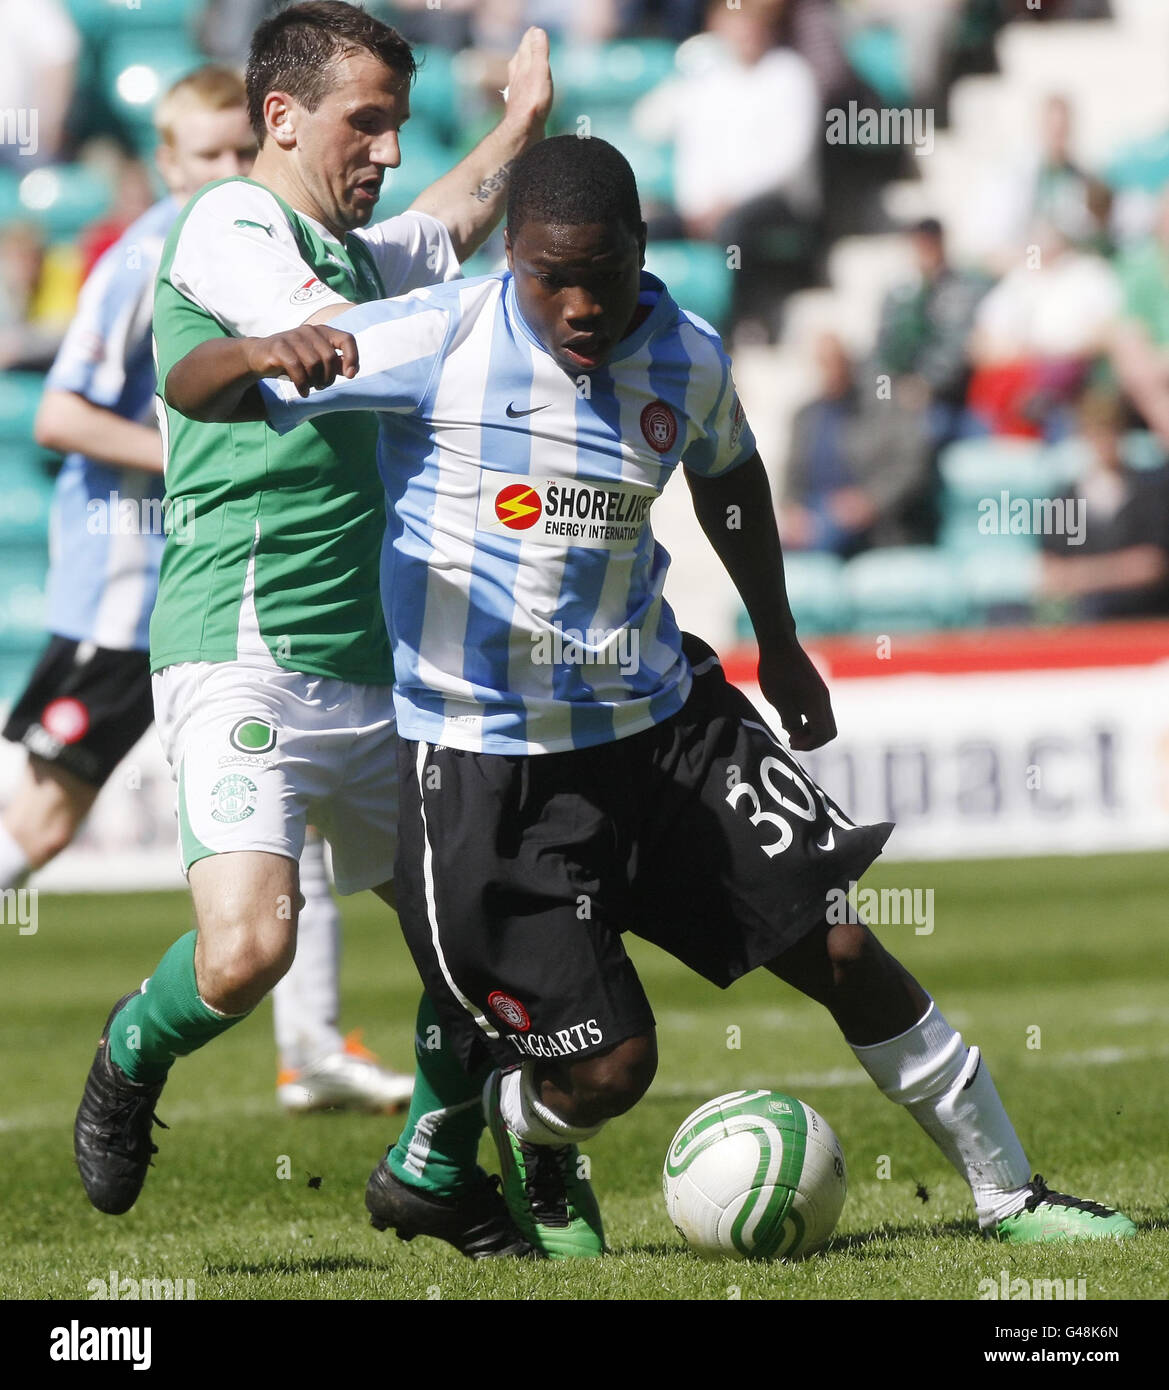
pixel 829 842
pixel 513 414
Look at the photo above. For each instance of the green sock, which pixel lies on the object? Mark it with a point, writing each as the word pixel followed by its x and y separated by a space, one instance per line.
pixel 167 1020
pixel 439 1148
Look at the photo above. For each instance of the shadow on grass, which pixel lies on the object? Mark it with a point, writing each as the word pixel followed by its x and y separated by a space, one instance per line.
pixel 838 1245
pixel 307 1264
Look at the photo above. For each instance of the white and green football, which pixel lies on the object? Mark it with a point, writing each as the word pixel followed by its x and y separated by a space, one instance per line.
pixel 754 1175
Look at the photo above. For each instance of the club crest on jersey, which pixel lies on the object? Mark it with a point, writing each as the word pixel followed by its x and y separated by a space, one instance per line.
pixel 659 426
pixel 253 736
pixel 233 798
pixel 518 506
pixel 311 289
pixel 66 719
pixel 510 1010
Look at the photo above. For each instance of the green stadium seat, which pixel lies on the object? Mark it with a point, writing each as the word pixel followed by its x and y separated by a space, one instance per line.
pixel 1142 449
pixel 1002 585
pixel 434 96
pixel 138 66
pixel 64 198
pixel 976 472
pixel 26 511
pixel 424 159
pixel 590 77
pixel 905 589
pixel 696 274
pixel 98 18
pixel 817 592
pixel 877 56
pixel 20 395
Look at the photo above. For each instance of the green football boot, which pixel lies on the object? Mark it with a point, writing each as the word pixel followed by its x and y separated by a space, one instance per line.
pixel 551 1204
pixel 1050 1215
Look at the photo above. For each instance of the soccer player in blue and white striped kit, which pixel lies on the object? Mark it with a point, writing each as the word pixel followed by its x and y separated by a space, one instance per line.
pixel 572 766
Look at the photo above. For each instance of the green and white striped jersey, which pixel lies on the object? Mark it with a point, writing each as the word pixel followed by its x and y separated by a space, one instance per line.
pixel 273 545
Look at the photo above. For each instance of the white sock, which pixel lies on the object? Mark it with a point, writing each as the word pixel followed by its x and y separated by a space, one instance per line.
pixel 14 865
pixel 306 1001
pixel 947 1089
pixel 529 1118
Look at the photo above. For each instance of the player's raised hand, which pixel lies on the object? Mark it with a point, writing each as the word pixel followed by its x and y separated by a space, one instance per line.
pixel 310 357
pixel 529 80
pixel 791 683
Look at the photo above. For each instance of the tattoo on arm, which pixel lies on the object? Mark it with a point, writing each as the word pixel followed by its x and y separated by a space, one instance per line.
pixel 493 183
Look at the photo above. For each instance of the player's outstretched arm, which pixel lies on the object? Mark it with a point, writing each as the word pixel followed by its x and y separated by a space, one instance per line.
pixel 69 423
pixel 734 510
pixel 216 381
pixel 470 199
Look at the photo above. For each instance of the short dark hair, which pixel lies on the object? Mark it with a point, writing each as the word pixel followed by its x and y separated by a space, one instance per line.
pixel 569 181
pixel 928 227
pixel 294 51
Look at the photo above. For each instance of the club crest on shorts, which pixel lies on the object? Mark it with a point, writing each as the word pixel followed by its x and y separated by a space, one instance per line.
pixel 510 1010
pixel 253 736
pixel 659 426
pixel 233 798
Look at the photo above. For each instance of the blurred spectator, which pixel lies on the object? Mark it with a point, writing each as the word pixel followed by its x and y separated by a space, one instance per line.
pixel 747 135
pixel 1063 193
pixel 134 192
pixel 226 26
pixel 858 471
pixel 1140 351
pixel 1111 559
pixel 38 65
pixel 29 333
pixel 927 32
pixel 1036 334
pixel 923 331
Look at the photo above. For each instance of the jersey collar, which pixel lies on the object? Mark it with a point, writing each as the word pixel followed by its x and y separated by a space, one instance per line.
pixel 652 291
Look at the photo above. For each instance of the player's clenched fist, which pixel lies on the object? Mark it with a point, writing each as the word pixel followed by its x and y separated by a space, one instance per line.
pixel 790 681
pixel 310 357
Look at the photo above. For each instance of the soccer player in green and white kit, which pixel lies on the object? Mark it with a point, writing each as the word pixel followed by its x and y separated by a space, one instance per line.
pixel 271 661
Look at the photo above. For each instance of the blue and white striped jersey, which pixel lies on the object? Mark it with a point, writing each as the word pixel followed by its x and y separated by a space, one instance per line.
pixel 520 576
pixel 106 537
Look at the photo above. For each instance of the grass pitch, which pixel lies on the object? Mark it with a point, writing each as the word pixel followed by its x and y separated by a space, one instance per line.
pixel 1054 967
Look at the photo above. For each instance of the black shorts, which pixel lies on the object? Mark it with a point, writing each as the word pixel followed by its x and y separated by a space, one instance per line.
pixel 84 708
pixel 517 876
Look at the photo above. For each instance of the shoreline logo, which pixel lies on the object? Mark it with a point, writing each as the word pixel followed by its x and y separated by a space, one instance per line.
pixel 140 516
pixel 19 126
pixel 594 646
pixel 18 908
pixel 891 125
pixel 1005 515
pixel 1004 1287
pixel 884 907
pixel 77 1343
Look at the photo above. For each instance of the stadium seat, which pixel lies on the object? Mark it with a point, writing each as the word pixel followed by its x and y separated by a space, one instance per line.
pixel 137 67
pixel 1002 584
pixel 20 394
pixel 424 159
pixel 817 592
pixel 64 198
pixel 976 472
pixel 434 97
pixel 608 75
pixel 876 55
pixel 696 274
pixel 904 589
pixel 98 18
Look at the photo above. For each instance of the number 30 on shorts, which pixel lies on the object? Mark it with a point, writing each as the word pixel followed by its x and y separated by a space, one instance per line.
pixel 806 810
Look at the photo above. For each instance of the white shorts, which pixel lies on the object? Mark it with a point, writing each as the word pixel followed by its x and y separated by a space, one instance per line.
pixel 259 754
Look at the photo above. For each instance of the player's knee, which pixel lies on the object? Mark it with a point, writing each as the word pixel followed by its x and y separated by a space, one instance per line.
pixel 613 1082
pixel 850 947
pixel 236 971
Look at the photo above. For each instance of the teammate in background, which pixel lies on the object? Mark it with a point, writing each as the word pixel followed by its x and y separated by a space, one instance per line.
pixel 573 766
pixel 89 700
pixel 271 660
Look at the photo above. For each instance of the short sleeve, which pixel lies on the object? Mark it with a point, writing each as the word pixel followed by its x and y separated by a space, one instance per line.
pixel 400 345
pixel 723 439
pixel 410 251
pixel 237 258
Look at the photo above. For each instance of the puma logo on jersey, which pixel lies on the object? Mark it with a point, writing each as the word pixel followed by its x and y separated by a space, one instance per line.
pixel 246 222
